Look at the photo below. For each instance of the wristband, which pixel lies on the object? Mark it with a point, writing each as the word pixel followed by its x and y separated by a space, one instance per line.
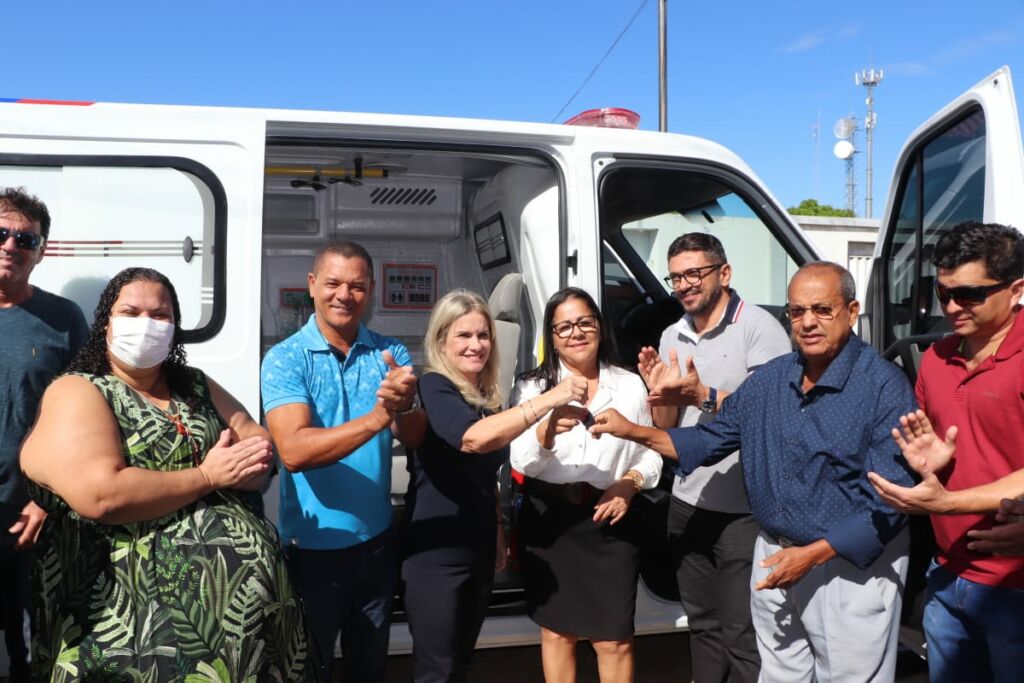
pixel 413 407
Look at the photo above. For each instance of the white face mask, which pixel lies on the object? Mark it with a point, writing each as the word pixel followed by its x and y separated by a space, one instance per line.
pixel 140 342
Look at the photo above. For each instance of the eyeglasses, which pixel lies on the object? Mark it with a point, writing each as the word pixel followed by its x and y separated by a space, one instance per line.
pixel 691 276
pixel 968 294
pixel 819 311
pixel 563 330
pixel 22 239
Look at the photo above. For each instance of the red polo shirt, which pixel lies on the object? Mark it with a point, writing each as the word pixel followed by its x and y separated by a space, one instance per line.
pixel 987 404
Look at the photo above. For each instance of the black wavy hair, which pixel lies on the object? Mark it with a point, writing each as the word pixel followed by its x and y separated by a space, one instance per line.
pixel 999 247
pixel 93 359
pixel 546 374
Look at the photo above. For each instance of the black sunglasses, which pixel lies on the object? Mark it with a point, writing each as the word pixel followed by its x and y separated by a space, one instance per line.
pixel 968 294
pixel 22 239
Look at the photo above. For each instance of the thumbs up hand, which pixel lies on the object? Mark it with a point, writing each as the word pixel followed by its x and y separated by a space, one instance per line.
pixel 398 388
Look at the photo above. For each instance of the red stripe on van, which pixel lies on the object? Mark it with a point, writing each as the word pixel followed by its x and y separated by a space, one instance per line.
pixel 72 103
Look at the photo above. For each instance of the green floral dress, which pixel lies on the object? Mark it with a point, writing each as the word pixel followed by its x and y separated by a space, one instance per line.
pixel 201 594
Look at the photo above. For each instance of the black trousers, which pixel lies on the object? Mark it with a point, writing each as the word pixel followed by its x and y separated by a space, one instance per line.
pixel 445 606
pixel 347 594
pixel 712 552
pixel 15 570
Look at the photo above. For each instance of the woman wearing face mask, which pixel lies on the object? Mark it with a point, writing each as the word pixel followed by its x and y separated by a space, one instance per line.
pixel 579 555
pixel 155 562
pixel 451 538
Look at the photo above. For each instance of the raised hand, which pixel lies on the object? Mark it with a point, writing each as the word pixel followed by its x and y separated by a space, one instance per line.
pixel 398 388
pixel 650 366
pixel 228 464
pixel 674 387
pixel 572 388
pixel 924 450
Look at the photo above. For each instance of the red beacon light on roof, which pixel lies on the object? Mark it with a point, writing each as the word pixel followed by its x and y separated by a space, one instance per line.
pixel 606 117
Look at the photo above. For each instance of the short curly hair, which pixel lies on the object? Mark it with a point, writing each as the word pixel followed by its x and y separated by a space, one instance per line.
pixel 999 247
pixel 92 359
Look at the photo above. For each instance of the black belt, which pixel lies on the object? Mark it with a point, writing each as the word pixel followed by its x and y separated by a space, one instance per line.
pixel 578 493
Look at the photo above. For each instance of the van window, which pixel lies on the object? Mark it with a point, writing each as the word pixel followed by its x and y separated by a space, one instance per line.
pixel 944 184
pixel 643 210
pixel 105 218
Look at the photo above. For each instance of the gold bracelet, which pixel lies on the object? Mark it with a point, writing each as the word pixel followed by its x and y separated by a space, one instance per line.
pixel 636 478
pixel 533 410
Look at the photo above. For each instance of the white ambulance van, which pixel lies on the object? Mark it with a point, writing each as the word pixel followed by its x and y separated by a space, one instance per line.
pixel 231 204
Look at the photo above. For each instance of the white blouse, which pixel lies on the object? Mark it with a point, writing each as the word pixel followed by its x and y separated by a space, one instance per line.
pixel 579 457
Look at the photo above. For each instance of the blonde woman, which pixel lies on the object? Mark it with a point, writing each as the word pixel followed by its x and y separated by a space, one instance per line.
pixel 452 541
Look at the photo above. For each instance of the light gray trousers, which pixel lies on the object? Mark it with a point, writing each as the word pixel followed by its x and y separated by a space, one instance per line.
pixel 838 623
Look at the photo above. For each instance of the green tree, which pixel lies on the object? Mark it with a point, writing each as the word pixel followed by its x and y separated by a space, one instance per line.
pixel 811 207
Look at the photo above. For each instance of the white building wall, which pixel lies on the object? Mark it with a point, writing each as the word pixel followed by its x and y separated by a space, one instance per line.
pixel 846 241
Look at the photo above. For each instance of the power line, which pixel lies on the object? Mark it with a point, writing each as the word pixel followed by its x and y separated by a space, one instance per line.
pixel 593 71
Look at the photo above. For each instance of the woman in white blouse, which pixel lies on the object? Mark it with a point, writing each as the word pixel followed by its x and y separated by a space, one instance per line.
pixel 580 560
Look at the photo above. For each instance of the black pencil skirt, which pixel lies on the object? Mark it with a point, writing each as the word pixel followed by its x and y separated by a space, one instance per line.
pixel 580 577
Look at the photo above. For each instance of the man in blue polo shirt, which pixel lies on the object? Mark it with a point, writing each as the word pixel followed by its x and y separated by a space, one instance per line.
pixel 831 558
pixel 333 394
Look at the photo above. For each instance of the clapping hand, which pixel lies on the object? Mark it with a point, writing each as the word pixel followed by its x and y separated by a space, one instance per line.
pixel 926 454
pixel 230 463
pixel 924 450
pixel 666 382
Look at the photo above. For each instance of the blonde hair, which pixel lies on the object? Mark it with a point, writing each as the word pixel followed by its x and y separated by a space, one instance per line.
pixel 450 308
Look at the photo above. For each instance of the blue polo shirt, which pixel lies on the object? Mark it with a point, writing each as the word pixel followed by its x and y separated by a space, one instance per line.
pixel 806 455
pixel 347 502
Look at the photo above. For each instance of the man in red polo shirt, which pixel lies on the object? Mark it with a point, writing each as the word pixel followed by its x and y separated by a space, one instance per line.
pixel 971 388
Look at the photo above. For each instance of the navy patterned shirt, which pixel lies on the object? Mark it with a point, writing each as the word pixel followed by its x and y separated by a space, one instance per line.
pixel 806 456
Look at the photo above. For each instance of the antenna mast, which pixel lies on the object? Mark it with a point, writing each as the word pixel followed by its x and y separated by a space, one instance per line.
pixel 869 79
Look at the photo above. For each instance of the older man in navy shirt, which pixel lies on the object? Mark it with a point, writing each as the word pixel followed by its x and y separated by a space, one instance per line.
pixel 831 560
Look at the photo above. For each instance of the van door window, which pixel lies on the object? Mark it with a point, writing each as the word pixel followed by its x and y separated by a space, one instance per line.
pixel 944 185
pixel 105 218
pixel 644 209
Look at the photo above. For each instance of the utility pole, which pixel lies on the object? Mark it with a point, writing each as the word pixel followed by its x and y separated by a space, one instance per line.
pixel 662 65
pixel 870 80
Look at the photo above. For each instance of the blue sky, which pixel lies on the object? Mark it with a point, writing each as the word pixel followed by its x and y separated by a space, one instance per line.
pixel 752 75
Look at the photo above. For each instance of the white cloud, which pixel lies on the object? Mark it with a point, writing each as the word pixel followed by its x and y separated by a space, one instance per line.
pixel 962 49
pixel 815 39
pixel 806 42
pixel 910 69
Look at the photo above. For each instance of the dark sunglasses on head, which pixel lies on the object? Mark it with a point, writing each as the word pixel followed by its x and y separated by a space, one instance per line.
pixel 22 239
pixel 968 294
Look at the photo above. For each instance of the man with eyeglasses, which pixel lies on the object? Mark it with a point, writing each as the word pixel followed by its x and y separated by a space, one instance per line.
pixel 831 558
pixel 719 340
pixel 965 442
pixel 41 333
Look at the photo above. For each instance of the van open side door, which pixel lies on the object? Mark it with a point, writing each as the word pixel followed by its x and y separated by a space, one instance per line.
pixel 177 189
pixel 964 163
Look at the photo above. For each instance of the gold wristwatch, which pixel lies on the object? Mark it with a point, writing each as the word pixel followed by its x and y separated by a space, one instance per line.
pixel 636 478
